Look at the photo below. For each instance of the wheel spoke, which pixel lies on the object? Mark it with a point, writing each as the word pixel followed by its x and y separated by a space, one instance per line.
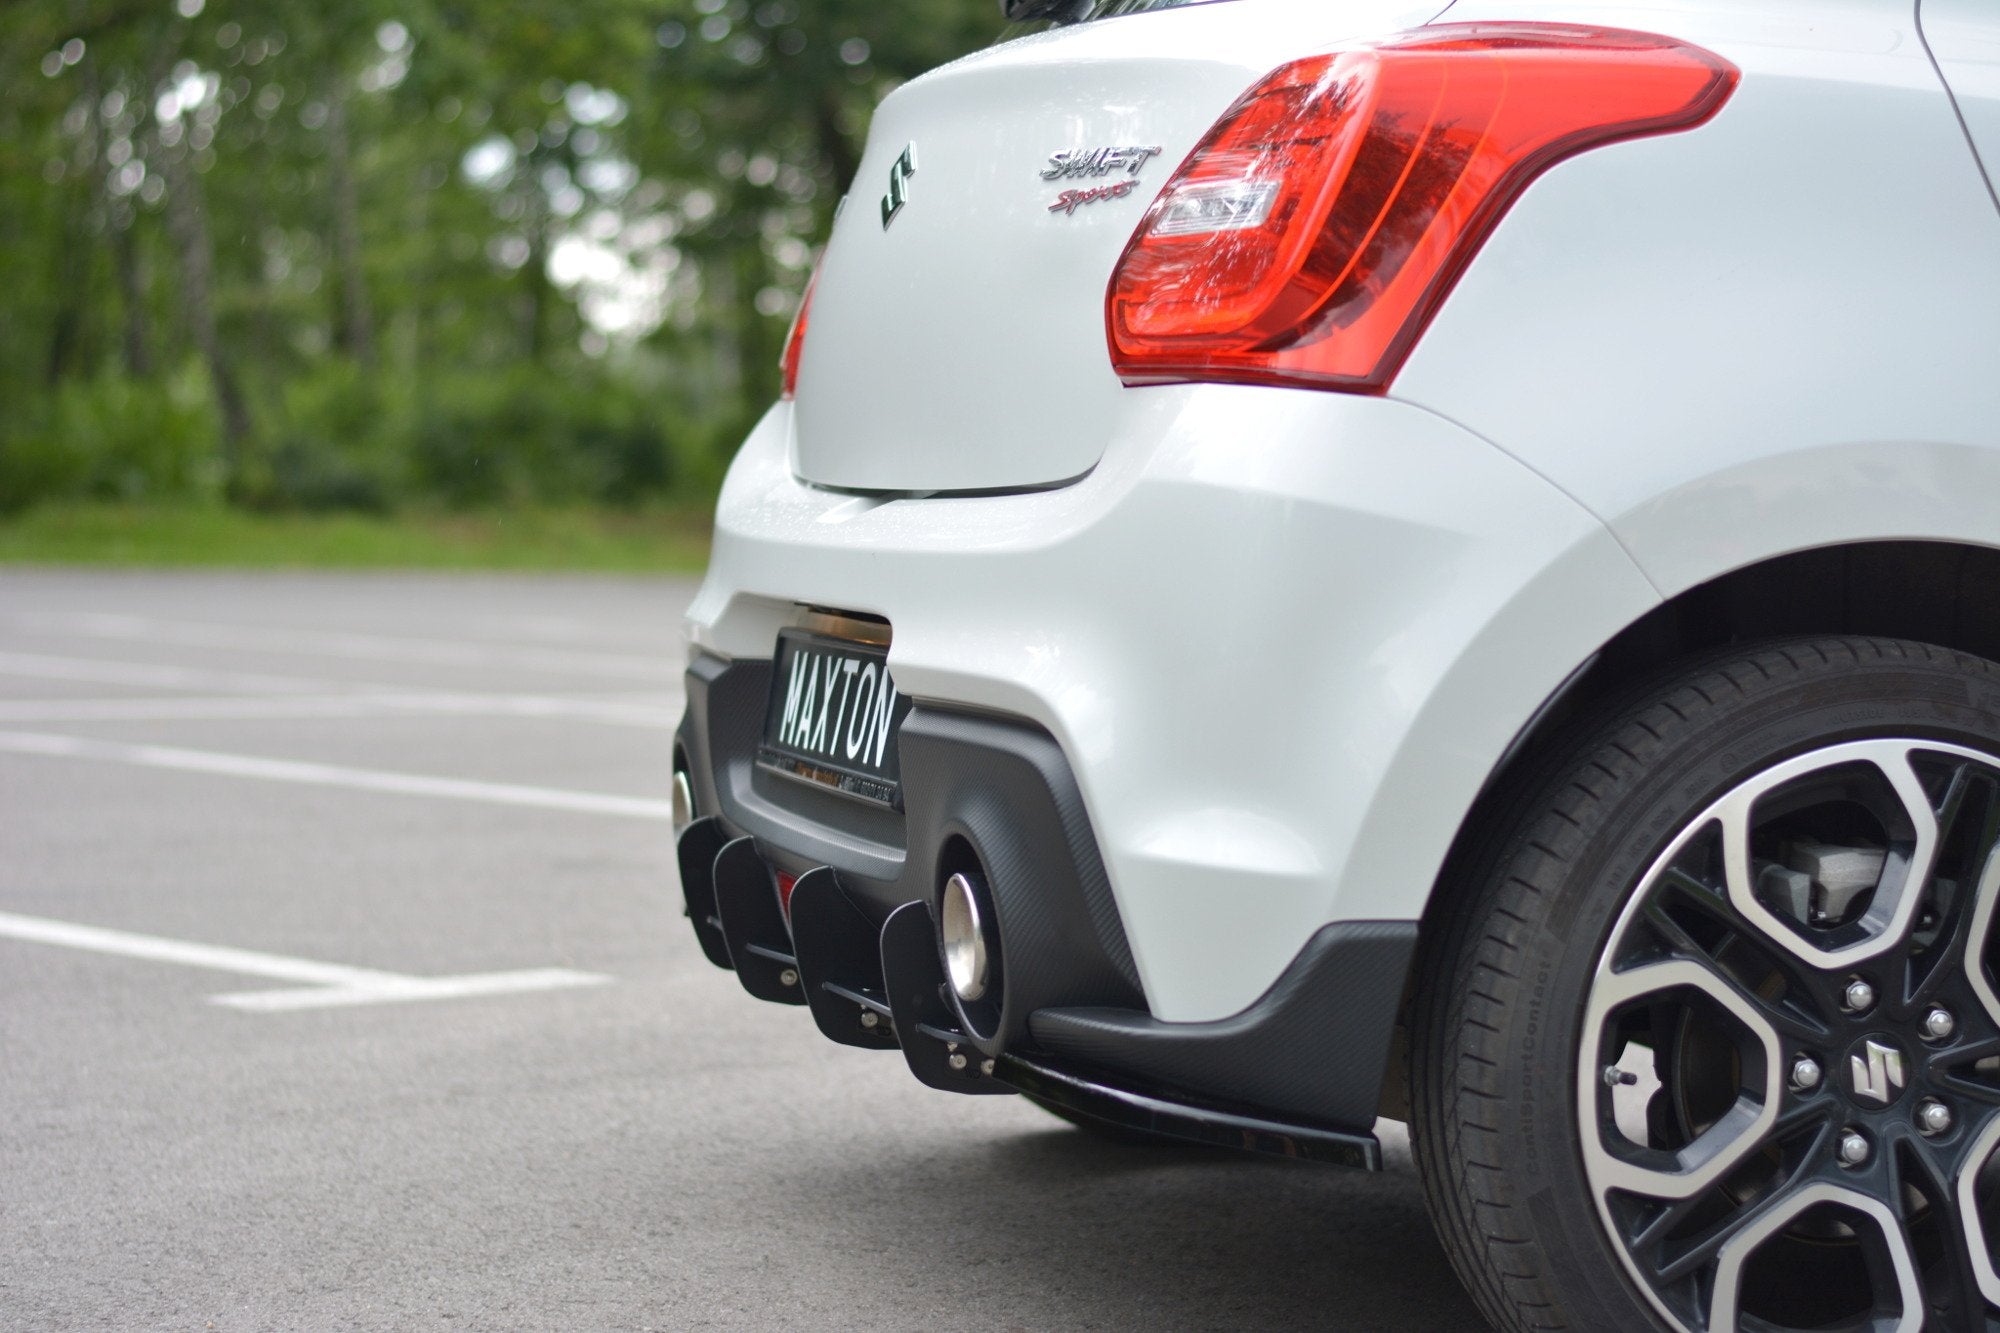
pixel 1792 1023
pixel 1733 1255
pixel 1696 1254
pixel 1736 1133
pixel 1976 1246
pixel 1886 923
pixel 1985 902
pixel 1950 1074
pixel 1958 1287
pixel 1935 968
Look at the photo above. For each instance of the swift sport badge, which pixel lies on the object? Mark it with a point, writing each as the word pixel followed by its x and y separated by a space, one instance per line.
pixel 900 172
pixel 1095 164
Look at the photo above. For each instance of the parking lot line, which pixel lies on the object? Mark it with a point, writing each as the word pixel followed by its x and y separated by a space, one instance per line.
pixel 366 647
pixel 98 671
pixel 330 775
pixel 326 985
pixel 403 990
pixel 661 717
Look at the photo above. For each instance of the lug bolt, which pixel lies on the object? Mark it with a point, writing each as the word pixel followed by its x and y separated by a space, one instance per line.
pixel 869 1018
pixel 789 977
pixel 1939 1024
pixel 956 1060
pixel 1933 1116
pixel 1853 1150
pixel 1805 1073
pixel 1858 998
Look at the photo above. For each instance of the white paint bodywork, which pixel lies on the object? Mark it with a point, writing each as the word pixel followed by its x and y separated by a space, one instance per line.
pixel 977 305
pixel 1284 636
pixel 1778 332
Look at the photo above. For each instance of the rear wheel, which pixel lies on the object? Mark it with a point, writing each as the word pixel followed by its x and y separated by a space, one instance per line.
pixel 1708 1036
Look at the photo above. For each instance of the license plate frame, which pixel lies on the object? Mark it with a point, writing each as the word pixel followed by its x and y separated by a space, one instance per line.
pixel 828 720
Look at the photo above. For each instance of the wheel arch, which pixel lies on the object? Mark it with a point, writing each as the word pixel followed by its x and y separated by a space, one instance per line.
pixel 1940 592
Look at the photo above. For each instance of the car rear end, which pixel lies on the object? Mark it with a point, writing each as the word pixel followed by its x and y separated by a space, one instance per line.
pixel 1097 657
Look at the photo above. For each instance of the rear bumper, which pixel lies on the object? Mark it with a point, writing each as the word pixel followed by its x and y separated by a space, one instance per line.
pixel 1208 720
pixel 1299 1072
pixel 1278 638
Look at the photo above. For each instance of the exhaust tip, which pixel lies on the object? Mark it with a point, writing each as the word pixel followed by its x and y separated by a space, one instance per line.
pixel 682 802
pixel 963 935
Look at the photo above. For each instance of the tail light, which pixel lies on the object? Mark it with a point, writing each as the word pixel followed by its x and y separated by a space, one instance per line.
pixel 1311 235
pixel 795 338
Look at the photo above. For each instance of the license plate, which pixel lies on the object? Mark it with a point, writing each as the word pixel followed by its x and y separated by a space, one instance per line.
pixel 833 716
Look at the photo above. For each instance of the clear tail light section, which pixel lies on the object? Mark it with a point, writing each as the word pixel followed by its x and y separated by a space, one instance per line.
pixel 795 338
pixel 1310 236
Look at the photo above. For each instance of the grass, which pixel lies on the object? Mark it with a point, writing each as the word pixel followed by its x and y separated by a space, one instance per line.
pixel 651 540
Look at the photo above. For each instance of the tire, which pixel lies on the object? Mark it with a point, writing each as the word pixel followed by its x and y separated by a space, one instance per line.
pixel 1596 935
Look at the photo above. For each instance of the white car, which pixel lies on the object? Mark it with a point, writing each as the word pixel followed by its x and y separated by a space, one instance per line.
pixel 1336 558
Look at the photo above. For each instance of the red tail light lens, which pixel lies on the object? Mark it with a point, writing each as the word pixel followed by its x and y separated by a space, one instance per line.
pixel 1310 236
pixel 795 340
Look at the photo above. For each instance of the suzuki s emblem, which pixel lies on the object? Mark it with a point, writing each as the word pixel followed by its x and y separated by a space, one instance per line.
pixel 900 172
pixel 1876 1071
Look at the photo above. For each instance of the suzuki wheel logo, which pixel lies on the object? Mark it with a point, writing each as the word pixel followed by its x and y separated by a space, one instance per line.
pixel 1876 1071
pixel 900 172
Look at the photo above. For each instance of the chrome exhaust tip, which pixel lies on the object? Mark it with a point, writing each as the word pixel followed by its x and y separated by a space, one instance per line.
pixel 963 936
pixel 682 801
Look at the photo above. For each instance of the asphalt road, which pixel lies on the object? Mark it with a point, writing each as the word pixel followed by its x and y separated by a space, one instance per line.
pixel 467 1068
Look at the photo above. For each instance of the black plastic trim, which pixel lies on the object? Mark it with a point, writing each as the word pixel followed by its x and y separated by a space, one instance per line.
pixel 937 1053
pixel 724 724
pixel 1211 1126
pixel 753 924
pixel 1313 1047
pixel 840 963
pixel 696 850
pixel 1310 1054
pixel 1002 792
pixel 996 790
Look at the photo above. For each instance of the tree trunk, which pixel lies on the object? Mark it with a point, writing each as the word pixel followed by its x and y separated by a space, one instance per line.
pixel 187 220
pixel 132 292
pixel 539 293
pixel 117 219
pixel 834 144
pixel 68 328
pixel 357 326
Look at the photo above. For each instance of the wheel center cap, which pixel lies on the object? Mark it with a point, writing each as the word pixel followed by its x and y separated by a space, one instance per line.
pixel 1877 1071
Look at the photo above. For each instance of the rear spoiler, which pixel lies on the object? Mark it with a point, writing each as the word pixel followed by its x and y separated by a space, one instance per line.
pixel 1054 11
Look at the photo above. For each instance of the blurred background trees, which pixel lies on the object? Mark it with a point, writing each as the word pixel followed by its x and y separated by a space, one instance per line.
pixel 360 254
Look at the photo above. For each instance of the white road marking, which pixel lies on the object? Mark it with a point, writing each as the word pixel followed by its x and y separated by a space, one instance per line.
pixel 328 985
pixel 367 647
pixel 662 717
pixel 331 775
pixel 153 675
pixel 402 989
pixel 653 708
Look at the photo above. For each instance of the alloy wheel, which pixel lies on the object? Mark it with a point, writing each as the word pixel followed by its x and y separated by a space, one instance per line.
pixel 1789 1070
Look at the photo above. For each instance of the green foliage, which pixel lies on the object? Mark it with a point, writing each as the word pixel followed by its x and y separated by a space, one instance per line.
pixel 340 442
pixel 650 539
pixel 111 437
pixel 409 252
pixel 521 436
